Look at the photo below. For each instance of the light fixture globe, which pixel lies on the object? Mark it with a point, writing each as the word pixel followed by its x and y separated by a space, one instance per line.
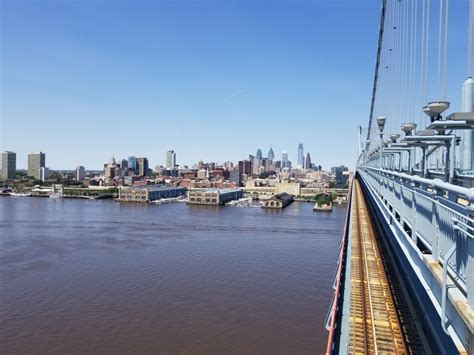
pixel 438 107
pixel 381 122
pixel 434 109
pixel 393 137
pixel 427 110
pixel 408 128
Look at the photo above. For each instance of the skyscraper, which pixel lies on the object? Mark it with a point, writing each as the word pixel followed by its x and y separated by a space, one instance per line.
pixel 170 159
pixel 271 155
pixel 259 154
pixel 245 167
pixel 132 163
pixel 300 156
pixel 36 161
pixel 142 166
pixel 80 173
pixel 284 159
pixel 8 165
pixel 308 162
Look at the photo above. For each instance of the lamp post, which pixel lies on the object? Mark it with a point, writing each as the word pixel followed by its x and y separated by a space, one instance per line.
pixel 381 123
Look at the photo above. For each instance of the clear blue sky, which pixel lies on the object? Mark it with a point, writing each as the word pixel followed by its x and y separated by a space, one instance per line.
pixel 86 80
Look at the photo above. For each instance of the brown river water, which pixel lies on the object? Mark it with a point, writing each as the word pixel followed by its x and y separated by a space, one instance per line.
pixel 79 276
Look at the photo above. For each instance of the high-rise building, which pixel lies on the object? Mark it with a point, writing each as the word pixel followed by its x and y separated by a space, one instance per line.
pixel 340 174
pixel 307 164
pixel 132 163
pixel 235 177
pixel 80 173
pixel 284 160
pixel 44 173
pixel 245 167
pixel 271 155
pixel 110 169
pixel 259 154
pixel 8 165
pixel 170 159
pixel 36 161
pixel 142 166
pixel 300 156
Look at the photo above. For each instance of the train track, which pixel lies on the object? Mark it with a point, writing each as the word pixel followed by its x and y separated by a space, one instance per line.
pixel 374 324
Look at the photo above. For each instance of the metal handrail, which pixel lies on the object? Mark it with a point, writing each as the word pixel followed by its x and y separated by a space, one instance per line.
pixel 435 183
pixel 331 316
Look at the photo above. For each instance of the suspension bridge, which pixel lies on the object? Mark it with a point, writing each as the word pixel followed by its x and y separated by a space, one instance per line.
pixel 404 281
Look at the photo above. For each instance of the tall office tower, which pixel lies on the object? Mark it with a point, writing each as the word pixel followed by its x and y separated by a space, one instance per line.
pixel 36 161
pixel 8 165
pixel 170 159
pixel 284 159
pixel 110 168
pixel 44 173
pixel 300 156
pixel 80 173
pixel 245 167
pixel 271 155
pixel 142 166
pixel 132 163
pixel 308 162
pixel 259 154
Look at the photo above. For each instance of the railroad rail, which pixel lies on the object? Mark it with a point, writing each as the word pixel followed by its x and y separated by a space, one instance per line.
pixel 374 325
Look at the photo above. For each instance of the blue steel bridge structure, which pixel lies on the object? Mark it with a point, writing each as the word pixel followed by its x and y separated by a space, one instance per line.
pixel 404 281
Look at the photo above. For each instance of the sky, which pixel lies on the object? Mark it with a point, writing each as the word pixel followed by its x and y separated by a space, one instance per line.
pixel 85 80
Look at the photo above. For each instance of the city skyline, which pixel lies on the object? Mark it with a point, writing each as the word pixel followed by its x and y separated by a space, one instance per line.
pixel 164 161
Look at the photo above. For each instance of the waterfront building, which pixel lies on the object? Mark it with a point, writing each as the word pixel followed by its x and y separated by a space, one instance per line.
pixel 8 165
pixel 149 193
pixel 300 156
pixel 43 173
pixel 278 201
pixel 36 161
pixel 284 160
pixel 170 159
pixel 307 164
pixel 292 188
pixel 213 197
pixel 80 173
pixel 270 154
pixel 142 166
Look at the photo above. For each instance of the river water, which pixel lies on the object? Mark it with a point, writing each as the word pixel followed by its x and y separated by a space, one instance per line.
pixel 81 276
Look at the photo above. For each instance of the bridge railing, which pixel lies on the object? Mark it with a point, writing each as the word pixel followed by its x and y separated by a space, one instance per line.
pixel 331 316
pixel 438 216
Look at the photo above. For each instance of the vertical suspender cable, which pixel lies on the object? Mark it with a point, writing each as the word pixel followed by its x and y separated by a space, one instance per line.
pixel 402 62
pixel 440 38
pixel 445 48
pixel 413 84
pixel 422 60
pixel 470 38
pixel 427 56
